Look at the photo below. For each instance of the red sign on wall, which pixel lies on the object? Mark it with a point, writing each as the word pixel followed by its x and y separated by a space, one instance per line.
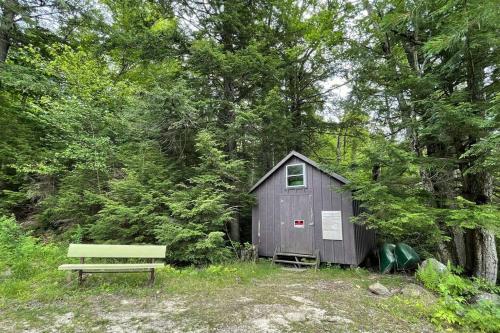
pixel 298 223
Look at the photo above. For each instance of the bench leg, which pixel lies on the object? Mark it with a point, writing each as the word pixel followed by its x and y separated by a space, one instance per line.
pixel 80 272
pixel 152 277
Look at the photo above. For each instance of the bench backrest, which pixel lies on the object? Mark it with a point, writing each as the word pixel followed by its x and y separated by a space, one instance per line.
pixel 116 251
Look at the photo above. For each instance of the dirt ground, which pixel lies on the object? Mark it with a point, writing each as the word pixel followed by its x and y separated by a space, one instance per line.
pixel 287 302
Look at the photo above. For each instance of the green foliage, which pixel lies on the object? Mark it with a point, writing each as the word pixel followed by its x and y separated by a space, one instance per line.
pixel 425 73
pixel 185 244
pixel 28 271
pixel 447 284
pixel 135 203
pixel 396 204
pixel 201 208
pixel 24 259
pixel 455 291
pixel 103 116
pixel 430 277
pixel 135 126
pixel 468 215
pixel 10 234
pixel 484 316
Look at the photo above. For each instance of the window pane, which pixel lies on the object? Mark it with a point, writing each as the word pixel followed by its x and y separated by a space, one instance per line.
pixel 295 181
pixel 295 170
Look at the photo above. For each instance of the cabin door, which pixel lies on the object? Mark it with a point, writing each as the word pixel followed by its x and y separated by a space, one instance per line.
pixel 297 224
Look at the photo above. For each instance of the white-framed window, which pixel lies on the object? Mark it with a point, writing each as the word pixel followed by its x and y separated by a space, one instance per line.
pixel 296 175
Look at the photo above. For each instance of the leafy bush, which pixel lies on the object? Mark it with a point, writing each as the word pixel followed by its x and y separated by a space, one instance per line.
pixel 453 307
pixel 25 260
pixel 446 283
pixel 190 244
pixel 430 277
pixel 484 316
pixel 10 234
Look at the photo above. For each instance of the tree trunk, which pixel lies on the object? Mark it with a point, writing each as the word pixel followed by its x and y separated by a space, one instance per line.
pixel 376 172
pixel 485 255
pixel 339 145
pixel 4 47
pixel 6 27
pixel 480 243
pixel 444 253
pixel 478 186
pixel 460 247
pixel 234 230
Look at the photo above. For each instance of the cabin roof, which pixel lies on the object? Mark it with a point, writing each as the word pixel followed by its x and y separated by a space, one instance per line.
pixel 306 160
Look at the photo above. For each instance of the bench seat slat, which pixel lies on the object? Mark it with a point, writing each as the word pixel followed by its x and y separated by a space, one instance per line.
pixel 121 270
pixel 95 268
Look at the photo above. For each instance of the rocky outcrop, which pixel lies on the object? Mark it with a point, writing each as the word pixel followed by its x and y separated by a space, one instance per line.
pixel 438 266
pixel 379 289
pixel 486 297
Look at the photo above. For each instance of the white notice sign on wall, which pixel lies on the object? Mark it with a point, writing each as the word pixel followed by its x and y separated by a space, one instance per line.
pixel 332 224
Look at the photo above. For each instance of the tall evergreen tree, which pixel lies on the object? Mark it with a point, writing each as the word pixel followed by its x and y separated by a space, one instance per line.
pixel 435 84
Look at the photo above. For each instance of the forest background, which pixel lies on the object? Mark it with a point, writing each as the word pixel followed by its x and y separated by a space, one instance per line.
pixel 147 121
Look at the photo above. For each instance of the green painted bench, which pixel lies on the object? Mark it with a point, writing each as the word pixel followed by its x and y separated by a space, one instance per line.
pixel 82 251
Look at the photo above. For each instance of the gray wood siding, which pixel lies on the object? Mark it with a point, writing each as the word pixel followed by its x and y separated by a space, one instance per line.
pixel 350 243
pixel 325 195
pixel 365 239
pixel 365 242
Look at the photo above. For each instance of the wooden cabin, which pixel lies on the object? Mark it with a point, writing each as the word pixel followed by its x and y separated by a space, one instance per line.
pixel 302 212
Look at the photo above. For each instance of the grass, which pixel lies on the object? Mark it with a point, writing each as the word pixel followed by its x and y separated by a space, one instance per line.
pixel 55 285
pixel 221 298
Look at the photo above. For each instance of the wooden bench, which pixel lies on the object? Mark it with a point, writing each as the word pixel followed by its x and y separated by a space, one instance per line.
pixel 82 251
